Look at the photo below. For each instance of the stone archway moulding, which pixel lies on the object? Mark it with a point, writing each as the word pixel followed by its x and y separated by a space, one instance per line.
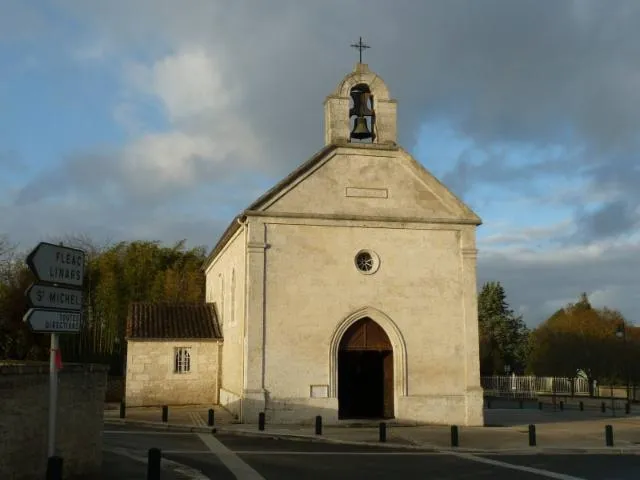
pixel 395 337
pixel 374 82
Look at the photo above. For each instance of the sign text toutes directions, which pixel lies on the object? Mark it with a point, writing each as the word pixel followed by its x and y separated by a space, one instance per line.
pixel 54 321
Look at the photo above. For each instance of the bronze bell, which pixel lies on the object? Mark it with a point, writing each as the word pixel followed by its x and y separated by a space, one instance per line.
pixel 360 104
pixel 360 129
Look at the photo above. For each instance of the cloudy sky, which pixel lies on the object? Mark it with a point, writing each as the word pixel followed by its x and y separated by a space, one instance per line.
pixel 159 119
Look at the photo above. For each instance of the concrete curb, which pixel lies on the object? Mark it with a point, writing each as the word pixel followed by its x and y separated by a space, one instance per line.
pixel 631 450
pixel 161 426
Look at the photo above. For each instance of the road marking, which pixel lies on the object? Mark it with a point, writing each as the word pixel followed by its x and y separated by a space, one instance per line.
pixel 522 468
pixel 187 452
pixel 281 452
pixel 136 432
pixel 230 460
pixel 197 419
pixel 188 472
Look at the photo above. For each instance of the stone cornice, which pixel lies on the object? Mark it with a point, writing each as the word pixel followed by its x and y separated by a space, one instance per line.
pixel 361 218
pixel 470 252
pixel 256 247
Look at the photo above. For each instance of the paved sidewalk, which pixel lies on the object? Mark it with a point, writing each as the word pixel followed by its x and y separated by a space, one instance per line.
pixel 196 415
pixel 555 431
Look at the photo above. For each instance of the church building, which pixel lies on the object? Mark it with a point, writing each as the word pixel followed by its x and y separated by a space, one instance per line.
pixel 348 290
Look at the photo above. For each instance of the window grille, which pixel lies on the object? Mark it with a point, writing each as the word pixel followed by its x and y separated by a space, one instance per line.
pixel 182 360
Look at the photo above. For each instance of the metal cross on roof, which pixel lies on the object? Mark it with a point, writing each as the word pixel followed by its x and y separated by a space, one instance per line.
pixel 360 46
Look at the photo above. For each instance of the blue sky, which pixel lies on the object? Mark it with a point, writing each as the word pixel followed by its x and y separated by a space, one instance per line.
pixel 159 120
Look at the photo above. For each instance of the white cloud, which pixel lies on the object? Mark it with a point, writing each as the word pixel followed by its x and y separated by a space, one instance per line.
pixel 92 50
pixel 241 85
pixel 540 282
pixel 126 114
pixel 207 135
pixel 564 254
pixel 512 236
pixel 188 83
pixel 169 158
pixel 606 296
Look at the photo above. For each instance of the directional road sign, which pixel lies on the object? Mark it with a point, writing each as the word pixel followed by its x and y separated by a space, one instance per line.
pixel 59 298
pixel 54 321
pixel 57 264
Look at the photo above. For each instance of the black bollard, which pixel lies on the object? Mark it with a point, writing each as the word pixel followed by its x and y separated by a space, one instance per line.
pixel 581 406
pixel 521 404
pixel 153 464
pixel 603 407
pixel 383 432
pixel 261 421
pixel 318 425
pixel 122 409
pixel 627 408
pixel 561 405
pixel 455 441
pixel 532 435
pixel 54 468
pixel 488 403
pixel 539 405
pixel 211 418
pixel 608 435
pixel 165 413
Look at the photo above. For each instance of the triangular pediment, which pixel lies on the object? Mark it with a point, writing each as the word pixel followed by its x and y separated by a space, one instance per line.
pixel 382 182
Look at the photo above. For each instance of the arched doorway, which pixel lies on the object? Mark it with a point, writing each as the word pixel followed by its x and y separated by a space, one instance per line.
pixel 365 372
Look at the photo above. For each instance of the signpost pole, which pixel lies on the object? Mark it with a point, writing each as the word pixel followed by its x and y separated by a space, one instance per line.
pixel 55 302
pixel 53 395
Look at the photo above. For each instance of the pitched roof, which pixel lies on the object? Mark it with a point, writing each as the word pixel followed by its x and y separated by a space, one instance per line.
pixel 148 320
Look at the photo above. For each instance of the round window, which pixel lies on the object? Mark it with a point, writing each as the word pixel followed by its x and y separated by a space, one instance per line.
pixel 367 262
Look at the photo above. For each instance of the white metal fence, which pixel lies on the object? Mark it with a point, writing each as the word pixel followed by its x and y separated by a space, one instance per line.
pixel 514 386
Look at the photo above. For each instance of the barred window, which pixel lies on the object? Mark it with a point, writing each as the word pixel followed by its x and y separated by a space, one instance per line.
pixel 182 360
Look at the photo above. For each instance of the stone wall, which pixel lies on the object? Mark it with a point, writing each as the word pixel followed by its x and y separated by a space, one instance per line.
pixel 427 321
pixel 226 280
pixel 151 379
pixel 24 407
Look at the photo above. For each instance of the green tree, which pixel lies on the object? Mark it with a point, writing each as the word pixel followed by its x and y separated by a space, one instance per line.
pixel 138 271
pixel 504 338
pixel 115 275
pixel 17 342
pixel 581 337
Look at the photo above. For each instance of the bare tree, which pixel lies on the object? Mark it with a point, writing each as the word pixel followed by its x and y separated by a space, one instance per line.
pixel 7 256
pixel 6 247
pixel 83 241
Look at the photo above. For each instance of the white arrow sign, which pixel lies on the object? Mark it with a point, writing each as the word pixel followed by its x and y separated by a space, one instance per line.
pixel 60 298
pixel 54 321
pixel 56 264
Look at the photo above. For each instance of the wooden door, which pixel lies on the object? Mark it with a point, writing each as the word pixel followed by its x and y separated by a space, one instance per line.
pixel 387 366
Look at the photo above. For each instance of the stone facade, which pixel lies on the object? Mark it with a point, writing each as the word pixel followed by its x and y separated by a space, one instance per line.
pixel 226 287
pixel 151 379
pixel 295 248
pixel 24 410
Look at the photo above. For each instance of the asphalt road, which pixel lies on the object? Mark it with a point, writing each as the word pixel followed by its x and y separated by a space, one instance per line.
pixel 205 456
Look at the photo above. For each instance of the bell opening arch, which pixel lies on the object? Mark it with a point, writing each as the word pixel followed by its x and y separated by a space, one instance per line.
pixel 395 338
